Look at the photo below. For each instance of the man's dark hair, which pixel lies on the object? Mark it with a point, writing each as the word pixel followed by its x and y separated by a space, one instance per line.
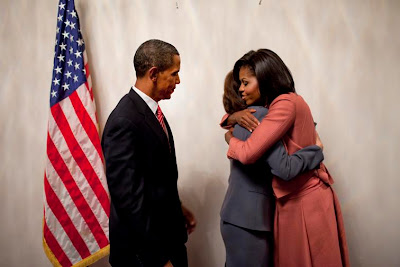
pixel 273 77
pixel 153 53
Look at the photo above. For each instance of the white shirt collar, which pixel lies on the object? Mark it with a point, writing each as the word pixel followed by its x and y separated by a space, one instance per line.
pixel 153 105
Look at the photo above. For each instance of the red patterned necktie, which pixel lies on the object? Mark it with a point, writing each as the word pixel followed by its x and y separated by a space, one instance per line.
pixel 160 117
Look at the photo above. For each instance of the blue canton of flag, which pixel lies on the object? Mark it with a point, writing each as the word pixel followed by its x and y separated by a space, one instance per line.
pixel 69 69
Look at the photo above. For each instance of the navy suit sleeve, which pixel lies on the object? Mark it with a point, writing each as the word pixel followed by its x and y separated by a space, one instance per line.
pixel 287 166
pixel 282 164
pixel 125 184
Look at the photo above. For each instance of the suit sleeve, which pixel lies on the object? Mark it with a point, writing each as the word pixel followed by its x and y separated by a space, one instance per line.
pixel 275 124
pixel 287 166
pixel 126 185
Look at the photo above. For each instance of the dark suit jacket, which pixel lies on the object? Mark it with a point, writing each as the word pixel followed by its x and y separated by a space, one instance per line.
pixel 146 218
pixel 249 201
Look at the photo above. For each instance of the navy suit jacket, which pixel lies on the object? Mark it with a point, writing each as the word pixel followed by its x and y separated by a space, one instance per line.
pixel 146 218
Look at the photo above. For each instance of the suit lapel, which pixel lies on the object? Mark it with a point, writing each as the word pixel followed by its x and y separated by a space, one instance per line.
pixel 155 125
pixel 170 137
pixel 149 118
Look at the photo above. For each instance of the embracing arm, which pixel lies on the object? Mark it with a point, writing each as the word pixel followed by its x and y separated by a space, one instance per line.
pixel 244 118
pixel 279 119
pixel 287 166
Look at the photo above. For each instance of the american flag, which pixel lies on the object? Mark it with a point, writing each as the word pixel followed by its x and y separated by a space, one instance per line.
pixel 76 197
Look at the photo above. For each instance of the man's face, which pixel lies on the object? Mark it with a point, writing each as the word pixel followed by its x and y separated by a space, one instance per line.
pixel 168 79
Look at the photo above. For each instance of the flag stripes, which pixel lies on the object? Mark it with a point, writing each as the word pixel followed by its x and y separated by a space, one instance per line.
pixel 63 241
pixel 79 156
pixel 67 176
pixel 86 121
pixel 58 210
pixel 56 249
pixel 73 212
pixel 76 198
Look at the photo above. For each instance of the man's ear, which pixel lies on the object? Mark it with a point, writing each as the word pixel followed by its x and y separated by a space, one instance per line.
pixel 153 73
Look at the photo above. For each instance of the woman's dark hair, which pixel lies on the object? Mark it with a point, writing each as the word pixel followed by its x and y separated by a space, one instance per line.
pixel 273 77
pixel 231 98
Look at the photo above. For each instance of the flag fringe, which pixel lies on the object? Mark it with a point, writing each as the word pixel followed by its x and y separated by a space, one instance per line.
pixel 94 257
pixel 50 254
pixel 84 262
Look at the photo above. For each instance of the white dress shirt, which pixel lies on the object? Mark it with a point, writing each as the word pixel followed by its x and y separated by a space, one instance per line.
pixel 153 105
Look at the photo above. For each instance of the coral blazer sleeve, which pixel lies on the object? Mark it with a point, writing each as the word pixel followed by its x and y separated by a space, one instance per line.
pixel 224 122
pixel 273 127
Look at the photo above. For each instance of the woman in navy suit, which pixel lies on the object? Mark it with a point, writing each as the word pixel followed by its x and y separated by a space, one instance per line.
pixel 248 209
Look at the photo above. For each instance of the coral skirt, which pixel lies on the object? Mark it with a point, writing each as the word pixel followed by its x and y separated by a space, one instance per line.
pixel 308 228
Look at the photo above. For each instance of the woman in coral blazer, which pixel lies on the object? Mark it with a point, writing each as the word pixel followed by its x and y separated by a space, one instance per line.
pixel 247 213
pixel 308 224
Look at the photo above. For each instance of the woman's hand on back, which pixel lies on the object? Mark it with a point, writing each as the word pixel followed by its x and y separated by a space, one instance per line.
pixel 244 118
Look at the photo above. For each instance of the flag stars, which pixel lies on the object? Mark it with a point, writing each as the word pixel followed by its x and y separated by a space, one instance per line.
pixel 80 42
pixel 63 46
pixel 60 58
pixel 58 69
pixel 65 34
pixel 78 54
pixel 56 81
pixel 69 66
pixel 65 86
pixel 73 13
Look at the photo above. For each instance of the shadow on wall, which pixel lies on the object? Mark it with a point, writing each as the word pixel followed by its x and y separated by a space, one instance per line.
pixel 205 245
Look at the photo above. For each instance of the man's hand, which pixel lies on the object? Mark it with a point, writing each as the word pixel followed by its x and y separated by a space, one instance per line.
pixel 168 264
pixel 229 135
pixel 244 118
pixel 190 221
pixel 318 141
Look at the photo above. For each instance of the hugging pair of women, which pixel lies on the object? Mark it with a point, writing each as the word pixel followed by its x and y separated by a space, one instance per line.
pixel 280 208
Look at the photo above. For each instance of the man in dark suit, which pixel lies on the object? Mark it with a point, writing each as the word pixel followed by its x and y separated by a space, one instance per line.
pixel 148 223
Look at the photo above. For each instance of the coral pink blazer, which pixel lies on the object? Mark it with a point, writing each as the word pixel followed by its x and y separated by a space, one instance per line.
pixel 289 118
